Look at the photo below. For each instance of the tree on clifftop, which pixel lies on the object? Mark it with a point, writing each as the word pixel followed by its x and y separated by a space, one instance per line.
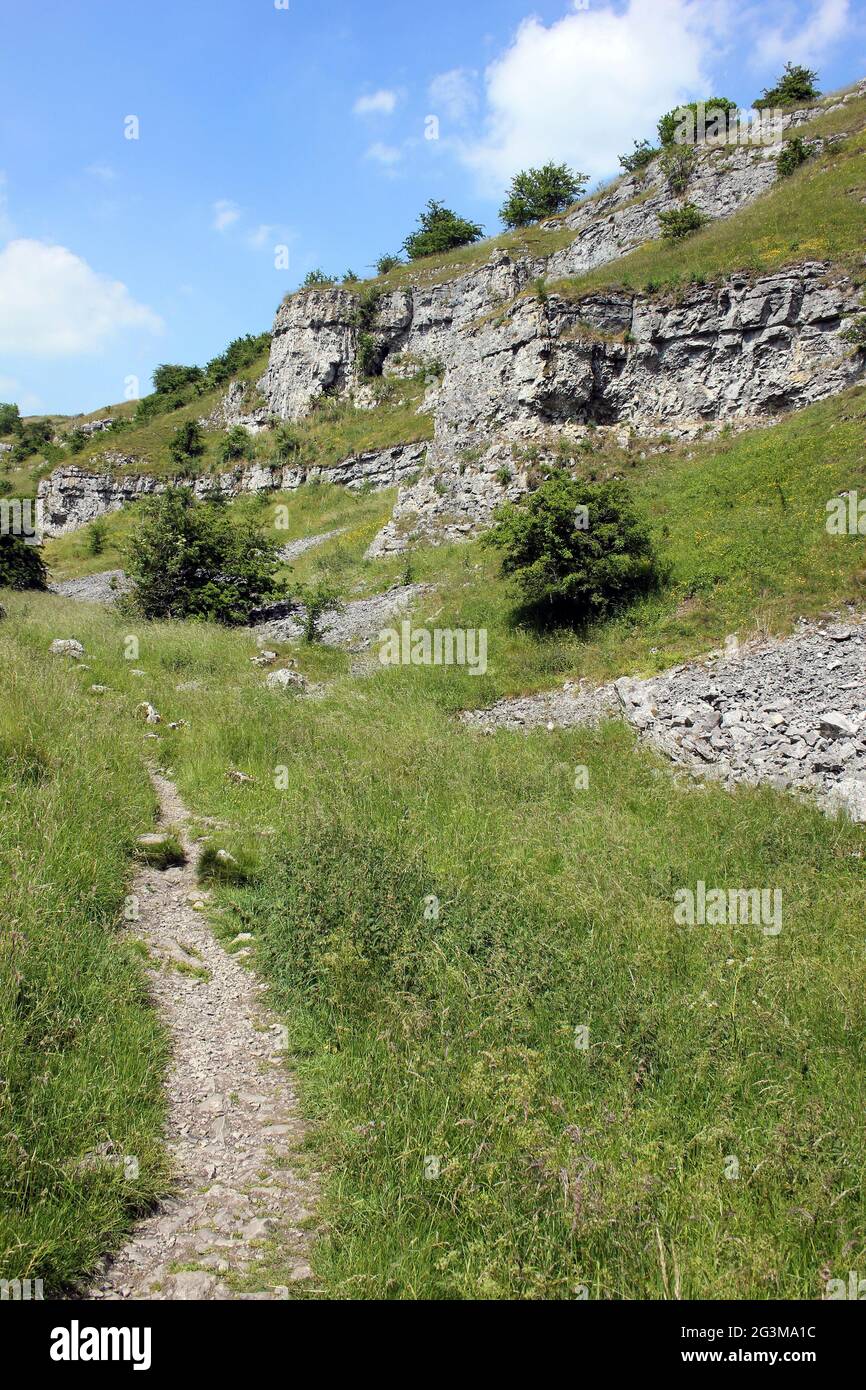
pixel 440 229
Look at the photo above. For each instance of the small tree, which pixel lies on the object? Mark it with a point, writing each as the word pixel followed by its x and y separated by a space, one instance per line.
pixel 386 263
pixel 538 193
pixel 796 87
pixel 195 559
pixel 324 595
pixel 678 164
pixel 672 121
pixel 10 419
pixel 235 444
pixel 576 550
pixel 642 155
pixel 21 565
pixel 97 537
pixel 440 230
pixel 187 443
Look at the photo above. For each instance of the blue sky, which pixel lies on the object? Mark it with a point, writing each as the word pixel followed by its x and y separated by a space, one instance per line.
pixel 304 125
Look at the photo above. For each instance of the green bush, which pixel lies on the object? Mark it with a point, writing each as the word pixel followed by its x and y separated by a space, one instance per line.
pixel 386 263
pixel 287 443
pixel 236 444
pixel 681 222
pixel 795 87
pixel 794 153
pixel 855 334
pixel 440 229
pixel 323 595
pixel 193 559
pixel 10 419
pixel 97 537
pixel 187 443
pixel 672 120
pixel 577 551
pixel 538 193
pixel 171 377
pixel 240 353
pixel 32 438
pixel 642 155
pixel 316 279
pixel 21 565
pixel 678 164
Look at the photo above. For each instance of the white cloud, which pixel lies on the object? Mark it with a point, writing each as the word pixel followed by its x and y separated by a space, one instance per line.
pixel 827 23
pixel 225 214
pixel 103 172
pixel 381 103
pixel 260 236
pixel 582 88
pixel 454 94
pixel 388 155
pixel 53 304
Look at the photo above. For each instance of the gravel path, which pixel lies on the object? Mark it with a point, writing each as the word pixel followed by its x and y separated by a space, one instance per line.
pixel 233 1121
pixel 295 548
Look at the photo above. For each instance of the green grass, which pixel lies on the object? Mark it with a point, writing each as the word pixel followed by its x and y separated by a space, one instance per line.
pixel 333 431
pixel 453 1036
pixel 816 214
pixel 81 1052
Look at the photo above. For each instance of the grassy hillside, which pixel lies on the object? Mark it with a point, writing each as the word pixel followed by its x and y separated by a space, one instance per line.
pixel 452 1038
pixel 818 213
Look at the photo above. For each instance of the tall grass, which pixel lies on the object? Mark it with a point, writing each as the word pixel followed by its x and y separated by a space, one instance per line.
pixel 81 1053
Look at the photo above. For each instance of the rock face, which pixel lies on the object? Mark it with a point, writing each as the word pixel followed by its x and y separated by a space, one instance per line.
pixel 71 496
pixel 743 351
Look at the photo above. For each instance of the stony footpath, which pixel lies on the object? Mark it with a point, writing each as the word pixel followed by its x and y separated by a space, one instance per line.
pixel 241 1203
pixel 789 712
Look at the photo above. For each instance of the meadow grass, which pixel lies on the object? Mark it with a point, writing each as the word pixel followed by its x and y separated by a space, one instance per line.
pixel 438 911
pixel 81 1052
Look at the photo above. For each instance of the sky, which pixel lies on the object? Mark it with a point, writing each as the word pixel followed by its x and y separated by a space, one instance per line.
pixel 169 170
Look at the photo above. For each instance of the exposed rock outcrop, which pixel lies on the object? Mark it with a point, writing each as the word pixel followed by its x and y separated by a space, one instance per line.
pixel 71 496
pixel 791 713
pixel 743 351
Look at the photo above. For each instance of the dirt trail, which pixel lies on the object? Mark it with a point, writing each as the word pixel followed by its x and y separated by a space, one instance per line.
pixel 233 1226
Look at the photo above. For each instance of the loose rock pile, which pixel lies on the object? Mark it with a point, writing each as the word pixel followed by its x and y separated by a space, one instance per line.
pixel 791 713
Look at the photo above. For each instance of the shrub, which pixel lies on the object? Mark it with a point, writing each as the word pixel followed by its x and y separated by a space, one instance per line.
pixel 192 559
pixel 187 443
pixel 287 443
pixel 795 87
pixel 76 440
pixel 31 439
pixel 386 263
pixel 681 222
pixel 170 378
pixel 97 536
pixel 323 595
pixel 794 153
pixel 678 164
pixel 576 550
pixel 240 353
pixel 10 419
pixel 537 193
pixel 21 565
pixel 236 444
pixel 855 334
pixel 642 155
pixel 315 279
pixel 672 121
pixel 440 229
pixel 349 277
